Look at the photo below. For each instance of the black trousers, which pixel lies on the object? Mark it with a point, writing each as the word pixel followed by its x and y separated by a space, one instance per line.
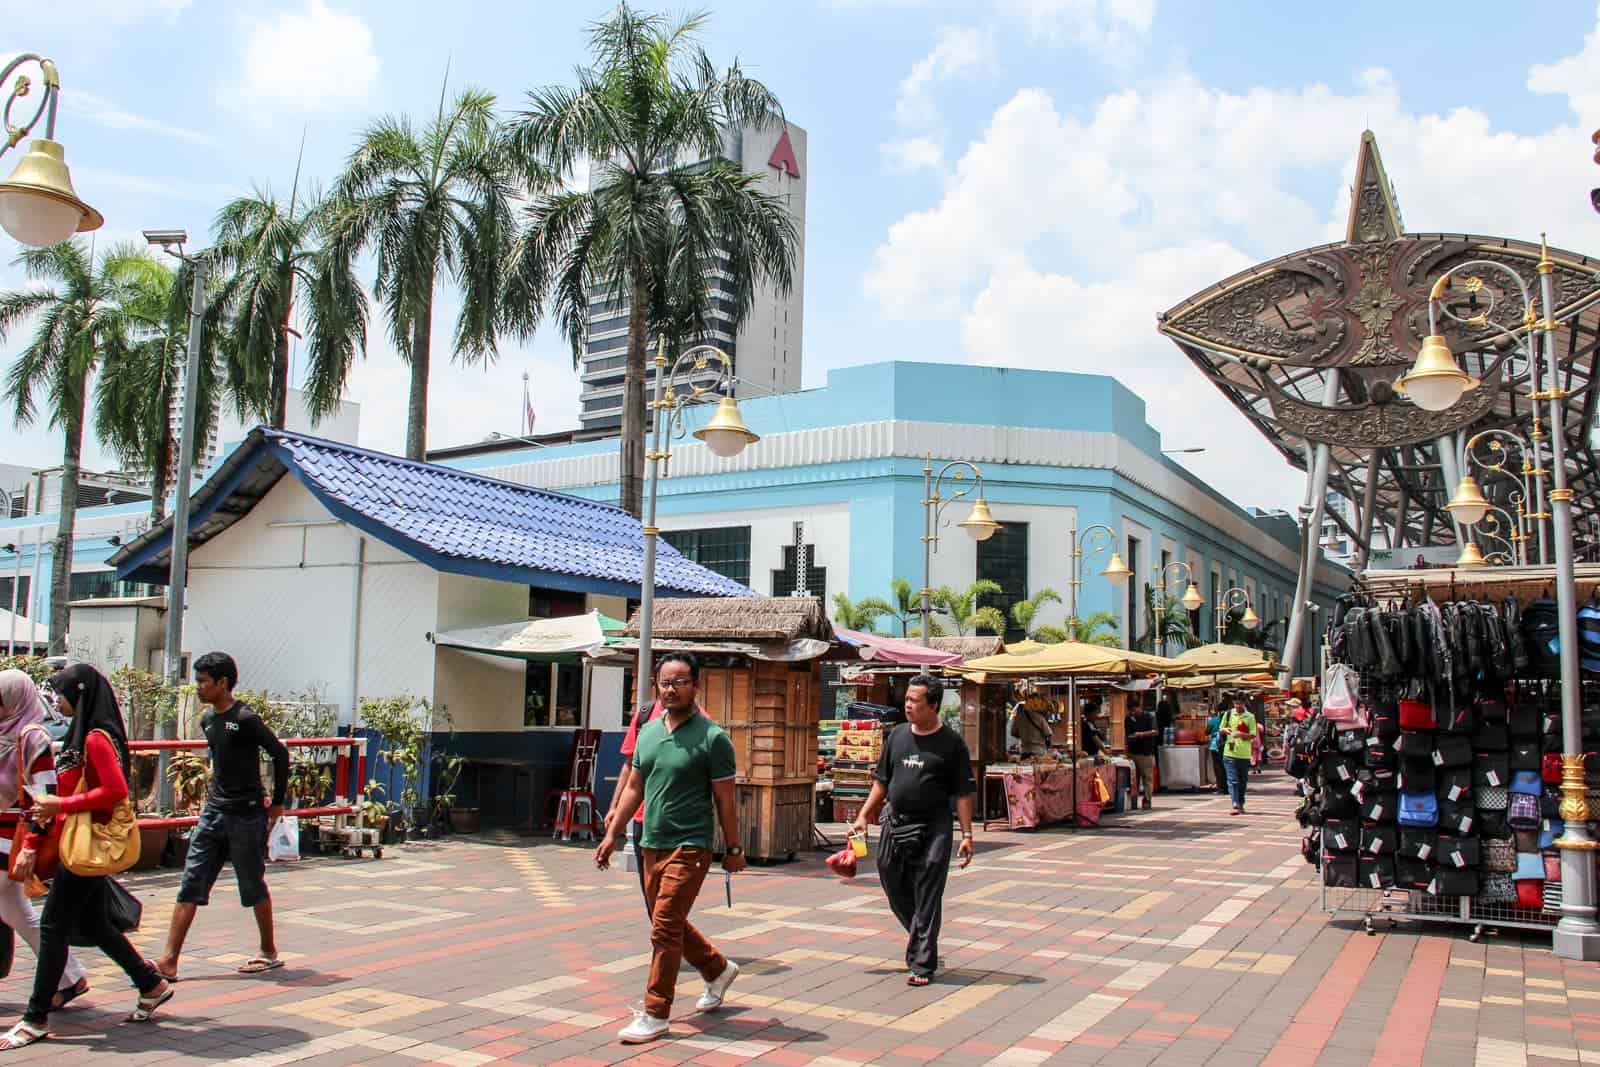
pixel 1219 771
pixel 81 902
pixel 913 878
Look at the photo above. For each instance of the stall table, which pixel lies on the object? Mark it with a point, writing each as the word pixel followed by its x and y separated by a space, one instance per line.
pixel 1186 767
pixel 1039 794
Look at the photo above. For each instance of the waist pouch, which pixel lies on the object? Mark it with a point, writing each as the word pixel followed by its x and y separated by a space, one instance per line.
pixel 1376 872
pixel 1380 807
pixel 1530 866
pixel 1527 841
pixel 1491 737
pixel 1412 873
pixel 1415 744
pixel 1452 750
pixel 1386 721
pixel 1491 769
pixel 1526 781
pixel 1549 830
pixel 1530 894
pixel 1499 854
pixel 1337 803
pixel 1416 844
pixel 1416 715
pixel 1550 803
pixel 1351 742
pixel 1527 756
pixel 1492 824
pixel 1341 835
pixel 1550 768
pixel 1419 809
pixel 1455 784
pixel 1497 888
pixel 1340 871
pixel 1380 754
pixel 1454 882
pixel 1523 720
pixel 1493 798
pixel 1457 817
pixel 1418 776
pixel 1337 770
pixel 1458 852
pixel 1378 840
pixel 1523 812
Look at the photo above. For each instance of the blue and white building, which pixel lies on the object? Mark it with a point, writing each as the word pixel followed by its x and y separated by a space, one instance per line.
pixel 834 489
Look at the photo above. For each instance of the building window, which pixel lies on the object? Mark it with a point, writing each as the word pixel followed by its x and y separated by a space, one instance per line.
pixel 554 603
pixel 553 695
pixel 24 587
pixel 1133 608
pixel 98 585
pixel 785 582
pixel 725 549
pixel 1003 559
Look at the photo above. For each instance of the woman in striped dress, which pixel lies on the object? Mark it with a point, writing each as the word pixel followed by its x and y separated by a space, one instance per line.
pixel 27 765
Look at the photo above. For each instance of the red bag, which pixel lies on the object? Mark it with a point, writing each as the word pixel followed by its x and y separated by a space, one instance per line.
pixel 843 862
pixel 1552 866
pixel 1416 715
pixel 1530 894
pixel 1550 770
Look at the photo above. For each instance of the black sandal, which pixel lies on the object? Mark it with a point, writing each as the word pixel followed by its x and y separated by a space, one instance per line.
pixel 917 981
pixel 64 997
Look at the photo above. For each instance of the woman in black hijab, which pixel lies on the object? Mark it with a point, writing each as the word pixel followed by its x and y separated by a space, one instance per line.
pixel 95 756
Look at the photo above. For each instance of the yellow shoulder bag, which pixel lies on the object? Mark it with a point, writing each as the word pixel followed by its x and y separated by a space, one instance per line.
pixel 90 848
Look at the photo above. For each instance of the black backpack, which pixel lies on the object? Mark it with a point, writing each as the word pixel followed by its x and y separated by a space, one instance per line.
pixel 1541 633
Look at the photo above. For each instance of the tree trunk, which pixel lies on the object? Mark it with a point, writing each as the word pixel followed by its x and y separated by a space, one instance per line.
pixel 635 416
pixel 61 551
pixel 163 465
pixel 417 409
pixel 279 399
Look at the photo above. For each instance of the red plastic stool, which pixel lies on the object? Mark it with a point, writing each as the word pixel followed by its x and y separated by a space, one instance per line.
pixel 575 813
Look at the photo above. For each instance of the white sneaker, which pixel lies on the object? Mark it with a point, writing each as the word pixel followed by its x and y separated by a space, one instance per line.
pixel 644 1028
pixel 711 999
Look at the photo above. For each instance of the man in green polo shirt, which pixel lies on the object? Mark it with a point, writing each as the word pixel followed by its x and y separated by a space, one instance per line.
pixel 683 771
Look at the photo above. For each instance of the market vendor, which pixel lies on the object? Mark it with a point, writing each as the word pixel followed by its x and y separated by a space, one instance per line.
pixel 1094 737
pixel 1030 722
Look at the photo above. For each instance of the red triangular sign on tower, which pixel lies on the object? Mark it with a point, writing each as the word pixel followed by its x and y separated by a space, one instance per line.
pixel 783 157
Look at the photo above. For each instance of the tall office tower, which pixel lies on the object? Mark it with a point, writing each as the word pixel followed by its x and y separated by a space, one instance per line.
pixel 766 349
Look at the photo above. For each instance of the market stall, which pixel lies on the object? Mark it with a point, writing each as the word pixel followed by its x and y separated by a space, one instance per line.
pixel 1185 761
pixel 1039 792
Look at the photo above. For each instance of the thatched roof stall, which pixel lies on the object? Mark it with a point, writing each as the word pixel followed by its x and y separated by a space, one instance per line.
pixel 974 647
pixel 760 677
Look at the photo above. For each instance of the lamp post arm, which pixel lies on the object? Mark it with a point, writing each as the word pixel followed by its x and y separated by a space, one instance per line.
pixel 47 105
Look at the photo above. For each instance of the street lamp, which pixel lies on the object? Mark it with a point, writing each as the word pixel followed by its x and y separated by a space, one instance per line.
pixel 38 205
pixel 1191 600
pixel 172 242
pixel 1092 541
pixel 1528 484
pixel 1577 935
pixel 979 524
pixel 1234 598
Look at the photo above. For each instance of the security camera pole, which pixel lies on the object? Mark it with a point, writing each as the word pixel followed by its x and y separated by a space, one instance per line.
pixel 172 241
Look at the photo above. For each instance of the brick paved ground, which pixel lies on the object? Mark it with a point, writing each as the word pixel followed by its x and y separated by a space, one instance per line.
pixel 1177 937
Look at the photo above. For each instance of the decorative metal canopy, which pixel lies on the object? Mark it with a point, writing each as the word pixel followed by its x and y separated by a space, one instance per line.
pixel 1309 345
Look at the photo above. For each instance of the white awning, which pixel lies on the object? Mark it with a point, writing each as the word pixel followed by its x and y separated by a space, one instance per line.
pixel 533 639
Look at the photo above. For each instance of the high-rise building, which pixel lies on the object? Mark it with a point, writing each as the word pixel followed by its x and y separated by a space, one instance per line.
pixel 766 347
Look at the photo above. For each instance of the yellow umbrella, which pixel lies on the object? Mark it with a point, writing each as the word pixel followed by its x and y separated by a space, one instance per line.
pixel 1023 648
pixel 1225 659
pixel 1072 658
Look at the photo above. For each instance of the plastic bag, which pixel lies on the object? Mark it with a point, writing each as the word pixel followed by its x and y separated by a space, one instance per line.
pixel 1340 699
pixel 843 862
pixel 284 841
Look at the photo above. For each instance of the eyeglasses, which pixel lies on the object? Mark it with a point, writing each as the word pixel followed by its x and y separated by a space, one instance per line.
pixel 676 683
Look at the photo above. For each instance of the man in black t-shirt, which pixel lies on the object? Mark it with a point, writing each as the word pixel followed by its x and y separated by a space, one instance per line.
pixel 1142 736
pixel 237 816
pixel 925 766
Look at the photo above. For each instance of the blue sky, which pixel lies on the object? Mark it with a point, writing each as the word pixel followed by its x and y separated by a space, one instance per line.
pixel 1016 182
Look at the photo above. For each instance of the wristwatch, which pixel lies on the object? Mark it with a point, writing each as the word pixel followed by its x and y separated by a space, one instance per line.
pixel 735 850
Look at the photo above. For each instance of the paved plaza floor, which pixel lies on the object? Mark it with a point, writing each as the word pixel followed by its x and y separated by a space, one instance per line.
pixel 1179 936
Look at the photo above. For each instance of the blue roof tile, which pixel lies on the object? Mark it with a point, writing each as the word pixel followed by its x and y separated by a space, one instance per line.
pixel 451 519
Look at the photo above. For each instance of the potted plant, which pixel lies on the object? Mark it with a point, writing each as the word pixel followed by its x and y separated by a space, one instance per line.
pixel 190 776
pixel 309 782
pixel 459 820
pixel 403 737
pixel 374 812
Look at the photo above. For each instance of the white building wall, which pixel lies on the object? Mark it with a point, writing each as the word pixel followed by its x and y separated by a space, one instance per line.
pixel 1049 562
pixel 770 340
pixel 479 692
pixel 281 599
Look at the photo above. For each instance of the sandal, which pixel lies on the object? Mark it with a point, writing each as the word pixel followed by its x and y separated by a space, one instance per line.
pixel 64 997
pixel 917 981
pixel 260 965
pixel 145 1009
pixel 22 1035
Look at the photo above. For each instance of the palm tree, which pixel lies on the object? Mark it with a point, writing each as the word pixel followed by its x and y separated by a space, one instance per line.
pixel 269 257
pixel 960 607
pixel 1023 612
pixel 1165 621
pixel 429 202
pixel 905 604
pixel 85 314
pixel 136 393
pixel 861 615
pixel 651 115
pixel 1086 629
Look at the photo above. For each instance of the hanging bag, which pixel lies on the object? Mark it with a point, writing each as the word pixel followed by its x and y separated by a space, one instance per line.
pixel 1457 817
pixel 1378 840
pixel 1497 888
pixel 91 849
pixel 1522 812
pixel 1499 854
pixel 1452 750
pixel 1419 809
pixel 1417 843
pixel 1460 719
pixel 1458 852
pixel 1491 770
pixel 1550 768
pixel 1341 702
pixel 1454 882
pixel 1376 872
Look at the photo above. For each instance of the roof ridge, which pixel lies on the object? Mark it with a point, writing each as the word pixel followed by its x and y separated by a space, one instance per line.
pixel 433 468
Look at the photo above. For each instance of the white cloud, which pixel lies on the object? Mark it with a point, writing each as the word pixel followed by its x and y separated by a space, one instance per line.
pixel 314 59
pixel 1575 77
pixel 1109 25
pixel 958 51
pixel 1059 237
pixel 912 154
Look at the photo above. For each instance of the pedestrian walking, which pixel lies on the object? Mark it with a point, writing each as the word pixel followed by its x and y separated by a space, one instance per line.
pixel 1143 739
pixel 924 768
pixel 683 772
pixel 92 776
pixel 1238 730
pixel 27 766
pixel 630 743
pixel 237 816
pixel 1219 766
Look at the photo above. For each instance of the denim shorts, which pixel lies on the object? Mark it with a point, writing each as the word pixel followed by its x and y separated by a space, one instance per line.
pixel 220 838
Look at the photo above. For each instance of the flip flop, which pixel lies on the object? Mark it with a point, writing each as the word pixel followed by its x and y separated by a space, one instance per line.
pixel 145 1009
pixel 64 997
pixel 260 965
pixel 22 1035
pixel 165 977
pixel 917 981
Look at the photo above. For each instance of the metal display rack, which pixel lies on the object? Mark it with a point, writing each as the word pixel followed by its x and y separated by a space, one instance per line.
pixel 1414 905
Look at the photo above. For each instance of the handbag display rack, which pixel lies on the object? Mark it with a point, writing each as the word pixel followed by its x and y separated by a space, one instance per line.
pixel 1444 861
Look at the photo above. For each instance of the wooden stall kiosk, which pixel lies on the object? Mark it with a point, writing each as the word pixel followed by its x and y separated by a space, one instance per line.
pixel 760 675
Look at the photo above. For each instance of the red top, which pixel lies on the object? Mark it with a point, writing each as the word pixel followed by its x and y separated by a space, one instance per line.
pixel 630 741
pixel 41 778
pixel 107 786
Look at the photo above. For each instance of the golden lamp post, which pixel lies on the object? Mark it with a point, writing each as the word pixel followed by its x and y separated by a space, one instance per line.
pixel 38 205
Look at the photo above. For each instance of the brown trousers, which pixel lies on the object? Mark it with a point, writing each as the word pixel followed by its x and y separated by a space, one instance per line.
pixel 672 880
